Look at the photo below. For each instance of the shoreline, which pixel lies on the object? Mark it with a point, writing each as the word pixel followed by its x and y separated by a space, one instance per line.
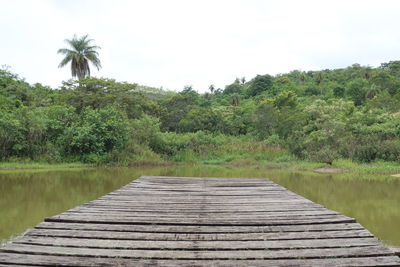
pixel 7 166
pixel 340 168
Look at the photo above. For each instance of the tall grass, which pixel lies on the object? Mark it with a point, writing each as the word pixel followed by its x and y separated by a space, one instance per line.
pixel 40 165
pixel 377 167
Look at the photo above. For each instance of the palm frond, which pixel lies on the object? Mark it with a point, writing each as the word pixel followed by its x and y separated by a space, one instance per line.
pixel 94 47
pixel 64 51
pixel 65 61
pixel 80 54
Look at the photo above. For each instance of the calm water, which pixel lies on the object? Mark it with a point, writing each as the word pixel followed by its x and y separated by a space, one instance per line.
pixel 27 197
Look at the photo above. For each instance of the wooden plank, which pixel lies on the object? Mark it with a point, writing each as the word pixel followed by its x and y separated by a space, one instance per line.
pixel 48 260
pixel 202 254
pixel 198 221
pixel 236 212
pixel 197 209
pixel 199 244
pixel 180 205
pixel 195 214
pixel 198 228
pixel 395 250
pixel 198 201
pixel 223 216
pixel 210 237
pixel 16 265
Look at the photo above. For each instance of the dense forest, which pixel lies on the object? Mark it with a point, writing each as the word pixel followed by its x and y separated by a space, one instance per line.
pixel 351 113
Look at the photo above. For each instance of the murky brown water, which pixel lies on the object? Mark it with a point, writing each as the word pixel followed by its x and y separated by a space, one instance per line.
pixel 27 197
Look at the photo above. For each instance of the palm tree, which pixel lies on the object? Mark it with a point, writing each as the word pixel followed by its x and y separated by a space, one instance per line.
pixel 372 91
pixel 80 53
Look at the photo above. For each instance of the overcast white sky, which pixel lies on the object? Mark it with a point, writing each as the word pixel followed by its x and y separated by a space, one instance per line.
pixel 176 43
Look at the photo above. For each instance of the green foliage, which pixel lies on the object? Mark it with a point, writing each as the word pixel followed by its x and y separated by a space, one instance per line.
pixel 276 116
pixel 175 109
pixel 385 101
pixel 323 116
pixel 99 93
pixel 357 90
pixel 312 89
pixel 14 91
pixel 234 88
pixel 259 84
pixel 145 130
pixel 338 91
pixel 266 119
pixel 97 132
pixel 12 139
pixel 198 119
pixel 286 99
pixel 170 144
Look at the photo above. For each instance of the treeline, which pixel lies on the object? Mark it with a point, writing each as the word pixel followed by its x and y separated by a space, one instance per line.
pixel 324 115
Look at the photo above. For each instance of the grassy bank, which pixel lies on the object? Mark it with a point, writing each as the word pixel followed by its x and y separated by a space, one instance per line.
pixel 41 165
pixel 342 168
pixel 207 149
pixel 263 158
pixel 377 167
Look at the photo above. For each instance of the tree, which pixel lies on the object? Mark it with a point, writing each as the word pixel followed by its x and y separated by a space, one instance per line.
pixel 98 93
pixel 80 53
pixel 285 99
pixel 319 78
pixel 266 119
pixel 233 88
pixel 97 131
pixel 356 90
pixel 260 84
pixel 211 88
pixel 176 108
pixel 338 91
pixel 199 118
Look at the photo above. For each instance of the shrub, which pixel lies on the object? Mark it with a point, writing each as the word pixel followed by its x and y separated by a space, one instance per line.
pixel 97 132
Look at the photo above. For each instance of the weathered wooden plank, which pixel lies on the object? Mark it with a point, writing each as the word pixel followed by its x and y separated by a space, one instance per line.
pixel 210 237
pixel 206 200
pixel 191 180
pixel 197 221
pixel 395 250
pixel 194 191
pixel 196 188
pixel 199 229
pixel 206 194
pixel 236 212
pixel 198 204
pixel 209 191
pixel 203 254
pixel 48 260
pixel 16 265
pixel 196 214
pixel 198 244
pixel 172 215
pixel 211 208
pixel 197 209
pixel 204 191
pixel 200 220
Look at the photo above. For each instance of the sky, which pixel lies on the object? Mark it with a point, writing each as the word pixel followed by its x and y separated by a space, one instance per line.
pixel 175 43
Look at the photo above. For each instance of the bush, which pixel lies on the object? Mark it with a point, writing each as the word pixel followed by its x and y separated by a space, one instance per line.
pixel 97 132
pixel 389 150
pixel 325 155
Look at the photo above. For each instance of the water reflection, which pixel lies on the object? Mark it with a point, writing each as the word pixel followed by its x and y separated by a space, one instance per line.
pixel 27 197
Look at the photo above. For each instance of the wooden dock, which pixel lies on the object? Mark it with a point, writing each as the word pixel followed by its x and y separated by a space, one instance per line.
pixel 172 221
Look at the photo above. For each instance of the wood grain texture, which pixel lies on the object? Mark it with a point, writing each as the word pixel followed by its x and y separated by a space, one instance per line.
pixel 184 221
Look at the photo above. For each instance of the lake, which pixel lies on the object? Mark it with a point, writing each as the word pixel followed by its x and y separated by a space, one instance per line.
pixel 28 196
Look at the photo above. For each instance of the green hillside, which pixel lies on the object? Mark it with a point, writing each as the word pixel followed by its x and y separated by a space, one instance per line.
pixel 320 116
